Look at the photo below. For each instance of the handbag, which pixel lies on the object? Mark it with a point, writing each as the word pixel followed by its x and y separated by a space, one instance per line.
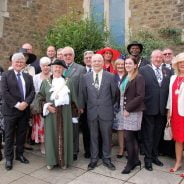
pixel 168 132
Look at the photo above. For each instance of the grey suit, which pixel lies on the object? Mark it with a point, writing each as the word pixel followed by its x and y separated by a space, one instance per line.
pixel 99 111
pixel 74 73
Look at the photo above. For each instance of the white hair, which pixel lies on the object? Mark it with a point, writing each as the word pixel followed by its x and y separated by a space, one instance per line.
pixel 68 48
pixel 18 56
pixel 45 61
pixel 88 52
pixel 97 56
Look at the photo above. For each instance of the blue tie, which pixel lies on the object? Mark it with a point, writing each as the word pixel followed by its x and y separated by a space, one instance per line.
pixel 20 85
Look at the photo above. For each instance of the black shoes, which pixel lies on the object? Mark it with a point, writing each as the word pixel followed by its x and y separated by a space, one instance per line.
pixel 8 165
pixel 1 155
pixel 148 166
pixel 92 165
pixel 87 155
pixel 128 169
pixel 22 159
pixel 119 156
pixel 109 165
pixel 157 162
pixel 75 157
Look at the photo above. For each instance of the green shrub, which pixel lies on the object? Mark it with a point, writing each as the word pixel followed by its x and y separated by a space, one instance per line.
pixel 80 34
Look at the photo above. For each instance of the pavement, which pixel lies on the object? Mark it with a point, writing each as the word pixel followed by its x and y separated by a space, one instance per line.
pixel 37 173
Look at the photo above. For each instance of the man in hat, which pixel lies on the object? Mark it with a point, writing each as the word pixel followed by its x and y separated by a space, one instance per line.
pixel 135 49
pixel 17 94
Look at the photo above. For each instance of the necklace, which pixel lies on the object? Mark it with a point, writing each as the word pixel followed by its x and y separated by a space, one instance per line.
pixel 178 84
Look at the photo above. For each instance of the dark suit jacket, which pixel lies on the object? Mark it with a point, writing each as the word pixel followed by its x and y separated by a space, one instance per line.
pixel 11 92
pixel 99 102
pixel 143 62
pixel 134 95
pixel 155 96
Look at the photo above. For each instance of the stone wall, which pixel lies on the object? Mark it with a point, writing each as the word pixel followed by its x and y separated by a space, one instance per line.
pixel 28 21
pixel 152 15
pixel 156 14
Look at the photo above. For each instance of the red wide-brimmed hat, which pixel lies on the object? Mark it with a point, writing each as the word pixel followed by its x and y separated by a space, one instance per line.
pixel 115 53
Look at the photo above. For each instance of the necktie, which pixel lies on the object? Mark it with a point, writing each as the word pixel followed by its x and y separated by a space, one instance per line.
pixel 89 70
pixel 97 82
pixel 158 75
pixel 20 85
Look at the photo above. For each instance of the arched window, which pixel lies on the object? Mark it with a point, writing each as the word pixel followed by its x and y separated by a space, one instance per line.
pixel 115 13
pixel 3 14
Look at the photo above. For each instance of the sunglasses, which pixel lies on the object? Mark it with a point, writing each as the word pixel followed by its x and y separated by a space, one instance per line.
pixel 167 54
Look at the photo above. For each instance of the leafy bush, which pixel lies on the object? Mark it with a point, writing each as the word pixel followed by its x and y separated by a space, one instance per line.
pixel 80 34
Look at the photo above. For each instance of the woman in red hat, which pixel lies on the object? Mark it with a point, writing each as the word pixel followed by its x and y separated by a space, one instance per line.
pixel 109 55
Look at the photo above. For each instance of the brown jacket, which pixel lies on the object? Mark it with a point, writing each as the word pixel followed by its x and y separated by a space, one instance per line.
pixel 134 95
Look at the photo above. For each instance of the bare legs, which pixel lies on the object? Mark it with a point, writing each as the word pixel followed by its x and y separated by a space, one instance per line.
pixel 179 154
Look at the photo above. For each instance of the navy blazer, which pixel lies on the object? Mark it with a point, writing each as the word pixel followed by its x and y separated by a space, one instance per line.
pixel 11 93
pixel 155 96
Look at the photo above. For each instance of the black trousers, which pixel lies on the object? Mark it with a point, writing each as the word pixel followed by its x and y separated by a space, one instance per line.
pixel 152 128
pixel 15 124
pixel 85 131
pixel 131 141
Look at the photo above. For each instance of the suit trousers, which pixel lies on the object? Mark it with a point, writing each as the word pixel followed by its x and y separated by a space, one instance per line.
pixel 75 138
pixel 152 127
pixel 105 128
pixel 85 131
pixel 15 125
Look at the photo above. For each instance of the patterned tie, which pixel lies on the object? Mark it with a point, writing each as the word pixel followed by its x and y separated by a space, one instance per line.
pixel 20 85
pixel 97 82
pixel 158 75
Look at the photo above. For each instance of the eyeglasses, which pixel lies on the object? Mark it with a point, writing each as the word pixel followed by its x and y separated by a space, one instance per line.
pixel 167 54
pixel 68 54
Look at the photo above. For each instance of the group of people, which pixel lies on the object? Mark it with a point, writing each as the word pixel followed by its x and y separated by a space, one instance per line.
pixel 129 94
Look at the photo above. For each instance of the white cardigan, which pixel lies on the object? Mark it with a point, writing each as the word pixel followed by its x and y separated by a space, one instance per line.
pixel 180 97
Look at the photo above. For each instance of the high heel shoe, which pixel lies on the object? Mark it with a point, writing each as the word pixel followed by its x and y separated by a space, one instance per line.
pixel 172 170
pixel 138 163
pixel 127 169
pixel 119 156
pixel 182 175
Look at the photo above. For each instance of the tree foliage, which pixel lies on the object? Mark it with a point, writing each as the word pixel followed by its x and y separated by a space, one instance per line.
pixel 81 34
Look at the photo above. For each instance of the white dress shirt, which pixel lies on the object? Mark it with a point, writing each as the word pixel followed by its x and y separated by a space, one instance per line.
pixel 99 76
pixel 23 86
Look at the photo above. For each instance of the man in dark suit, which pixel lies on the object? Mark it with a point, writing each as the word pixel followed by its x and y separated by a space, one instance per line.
pixel 17 94
pixel 98 92
pixel 83 117
pixel 73 73
pixel 157 79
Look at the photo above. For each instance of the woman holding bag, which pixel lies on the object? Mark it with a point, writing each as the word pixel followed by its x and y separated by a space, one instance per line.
pixel 175 106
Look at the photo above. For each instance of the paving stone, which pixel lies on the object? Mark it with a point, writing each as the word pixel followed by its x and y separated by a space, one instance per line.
pixel 94 178
pixel 117 173
pixel 154 177
pixel 29 180
pixel 9 176
pixel 56 175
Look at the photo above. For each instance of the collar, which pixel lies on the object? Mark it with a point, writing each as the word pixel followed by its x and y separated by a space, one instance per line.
pixel 99 73
pixel 17 72
pixel 154 67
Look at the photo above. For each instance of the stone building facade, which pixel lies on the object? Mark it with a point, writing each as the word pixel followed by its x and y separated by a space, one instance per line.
pixel 28 20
